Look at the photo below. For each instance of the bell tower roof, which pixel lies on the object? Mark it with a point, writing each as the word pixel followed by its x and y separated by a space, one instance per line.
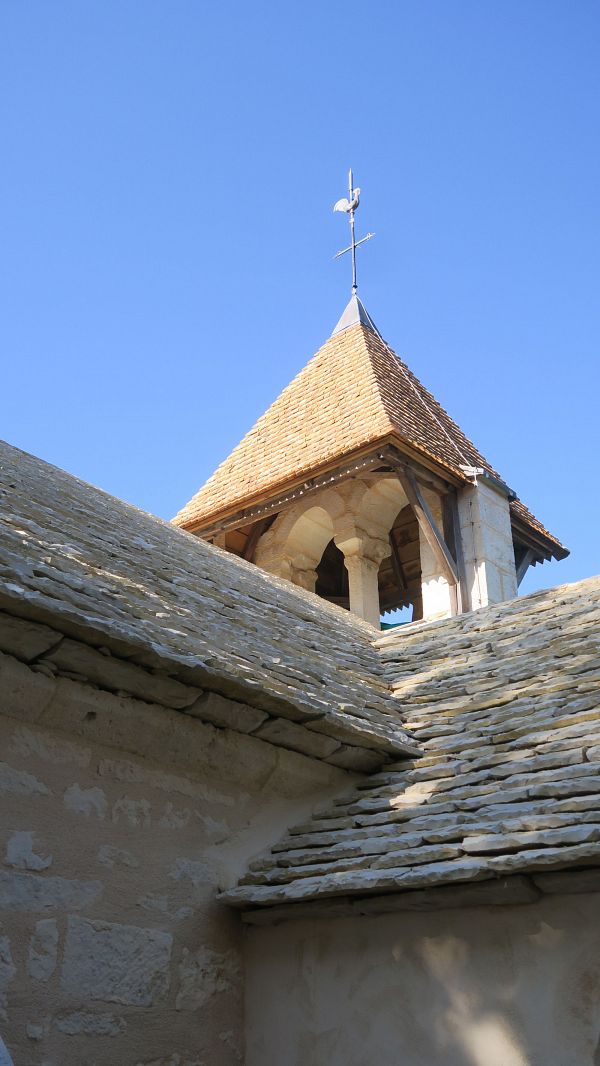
pixel 353 397
pixel 355 314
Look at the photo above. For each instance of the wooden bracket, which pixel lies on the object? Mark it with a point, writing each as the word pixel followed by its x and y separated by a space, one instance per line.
pixel 426 521
pixel 524 564
pixel 253 539
pixel 398 568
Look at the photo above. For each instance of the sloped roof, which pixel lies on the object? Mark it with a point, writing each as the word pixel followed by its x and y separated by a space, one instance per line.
pixel 353 393
pixel 505 702
pixel 105 573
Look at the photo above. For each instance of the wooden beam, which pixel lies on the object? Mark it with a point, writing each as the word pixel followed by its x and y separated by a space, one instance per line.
pixel 398 568
pixel 454 541
pixel 526 561
pixel 252 543
pixel 427 522
pixel 300 491
pixel 391 456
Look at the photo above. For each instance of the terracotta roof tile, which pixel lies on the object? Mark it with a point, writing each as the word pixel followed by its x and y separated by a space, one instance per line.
pixel 354 392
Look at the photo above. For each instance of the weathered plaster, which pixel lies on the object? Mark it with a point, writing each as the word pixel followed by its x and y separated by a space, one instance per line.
pixel 120 821
pixel 490 986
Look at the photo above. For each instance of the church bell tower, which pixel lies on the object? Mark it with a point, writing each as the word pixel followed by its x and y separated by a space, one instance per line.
pixel 357 485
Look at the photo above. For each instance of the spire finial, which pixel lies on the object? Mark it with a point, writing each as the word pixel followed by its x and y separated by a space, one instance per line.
pixel 349 206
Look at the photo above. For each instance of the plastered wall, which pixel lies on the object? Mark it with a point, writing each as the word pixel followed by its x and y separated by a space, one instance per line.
pixel 486 986
pixel 119 820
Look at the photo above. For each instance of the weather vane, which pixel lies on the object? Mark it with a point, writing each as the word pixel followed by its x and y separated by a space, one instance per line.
pixel 349 206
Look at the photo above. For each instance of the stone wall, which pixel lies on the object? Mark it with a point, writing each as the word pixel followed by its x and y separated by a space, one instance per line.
pixel 485 986
pixel 120 820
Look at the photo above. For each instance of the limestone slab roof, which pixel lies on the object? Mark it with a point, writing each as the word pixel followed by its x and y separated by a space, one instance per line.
pixel 505 702
pixel 107 574
pixel 355 392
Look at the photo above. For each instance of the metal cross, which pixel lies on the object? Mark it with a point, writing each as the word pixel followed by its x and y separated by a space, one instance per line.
pixel 349 207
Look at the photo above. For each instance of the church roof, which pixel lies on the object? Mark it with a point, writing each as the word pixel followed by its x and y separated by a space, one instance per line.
pixel 128 590
pixel 354 393
pixel 504 702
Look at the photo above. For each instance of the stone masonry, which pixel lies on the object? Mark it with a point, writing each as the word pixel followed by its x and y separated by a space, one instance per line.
pixel 121 819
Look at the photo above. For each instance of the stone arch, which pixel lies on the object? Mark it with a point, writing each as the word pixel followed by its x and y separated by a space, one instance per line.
pixel 379 505
pixel 310 533
pixel 293 546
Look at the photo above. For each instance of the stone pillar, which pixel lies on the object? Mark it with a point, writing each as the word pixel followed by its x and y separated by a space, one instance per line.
pixel 438 601
pixel 362 557
pixel 487 544
pixel 363 587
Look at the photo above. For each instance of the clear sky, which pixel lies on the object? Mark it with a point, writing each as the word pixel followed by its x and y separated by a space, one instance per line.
pixel 168 174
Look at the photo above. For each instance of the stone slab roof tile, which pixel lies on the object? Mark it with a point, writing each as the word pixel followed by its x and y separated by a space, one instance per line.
pixel 105 573
pixel 506 704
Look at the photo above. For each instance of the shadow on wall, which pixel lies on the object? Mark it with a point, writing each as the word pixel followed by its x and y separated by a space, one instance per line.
pixel 479 1024
pixel 530 997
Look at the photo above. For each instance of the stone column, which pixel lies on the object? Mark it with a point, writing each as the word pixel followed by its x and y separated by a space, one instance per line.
pixel 487 543
pixel 362 557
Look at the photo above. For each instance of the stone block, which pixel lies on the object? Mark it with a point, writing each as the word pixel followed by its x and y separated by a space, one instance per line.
pixel 5 1059
pixel 23 693
pixel 359 760
pixel 87 1023
pixel 296 737
pixel 162 905
pixel 118 675
pixel 204 974
pixel 28 742
pixel 20 853
pixel 25 640
pixel 194 870
pixel 29 892
pixel 360 732
pixel 86 801
pixel 43 947
pixel 112 856
pixel 116 963
pixel 136 773
pixel 227 714
pixel 20 782
pixel 134 813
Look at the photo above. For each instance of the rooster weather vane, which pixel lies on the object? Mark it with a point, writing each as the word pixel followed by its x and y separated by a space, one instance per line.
pixel 349 205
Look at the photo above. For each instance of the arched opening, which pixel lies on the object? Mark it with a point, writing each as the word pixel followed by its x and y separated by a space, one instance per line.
pixel 332 577
pixel 400 574
pixel 309 534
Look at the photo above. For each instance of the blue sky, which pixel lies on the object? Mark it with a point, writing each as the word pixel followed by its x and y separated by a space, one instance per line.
pixel 167 237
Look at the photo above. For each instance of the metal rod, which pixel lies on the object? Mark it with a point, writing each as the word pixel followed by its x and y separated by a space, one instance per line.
pixel 357 244
pixel 352 238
